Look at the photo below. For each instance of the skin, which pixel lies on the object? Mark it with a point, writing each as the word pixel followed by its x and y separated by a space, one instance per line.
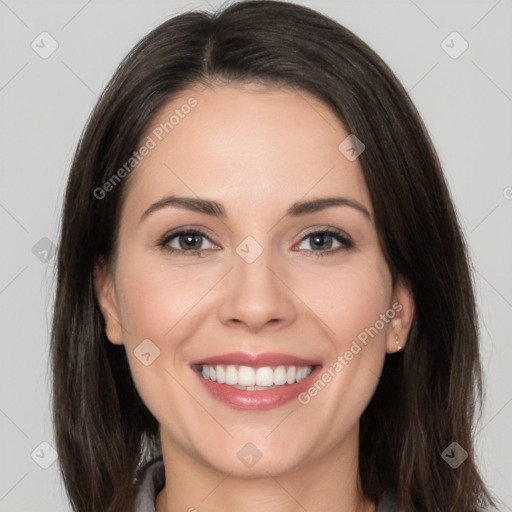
pixel 256 151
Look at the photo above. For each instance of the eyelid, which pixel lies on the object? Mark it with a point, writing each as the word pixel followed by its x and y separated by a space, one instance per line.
pixel 170 235
pixel 327 229
pixel 341 236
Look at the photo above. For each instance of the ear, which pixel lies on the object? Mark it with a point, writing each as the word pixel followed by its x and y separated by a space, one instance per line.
pixel 105 294
pixel 400 325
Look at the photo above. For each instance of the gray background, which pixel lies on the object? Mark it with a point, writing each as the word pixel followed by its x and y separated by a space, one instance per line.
pixel 466 103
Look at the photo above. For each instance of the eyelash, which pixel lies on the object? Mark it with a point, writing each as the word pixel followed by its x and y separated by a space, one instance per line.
pixel 340 236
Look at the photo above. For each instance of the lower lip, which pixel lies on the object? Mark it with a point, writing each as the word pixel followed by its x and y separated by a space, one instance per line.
pixel 258 400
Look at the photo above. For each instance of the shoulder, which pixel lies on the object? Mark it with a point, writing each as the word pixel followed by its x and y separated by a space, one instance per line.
pixel 150 480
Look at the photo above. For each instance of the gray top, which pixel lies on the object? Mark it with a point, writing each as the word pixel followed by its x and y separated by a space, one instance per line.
pixel 152 481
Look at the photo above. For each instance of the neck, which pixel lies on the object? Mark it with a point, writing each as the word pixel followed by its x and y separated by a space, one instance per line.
pixel 330 482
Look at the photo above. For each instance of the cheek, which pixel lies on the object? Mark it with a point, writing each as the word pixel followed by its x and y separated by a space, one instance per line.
pixel 156 303
pixel 349 299
pixel 154 296
pixel 352 303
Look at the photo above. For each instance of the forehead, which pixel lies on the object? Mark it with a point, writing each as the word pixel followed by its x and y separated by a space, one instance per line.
pixel 246 145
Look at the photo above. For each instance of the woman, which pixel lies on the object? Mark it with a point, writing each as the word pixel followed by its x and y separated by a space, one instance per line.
pixel 264 299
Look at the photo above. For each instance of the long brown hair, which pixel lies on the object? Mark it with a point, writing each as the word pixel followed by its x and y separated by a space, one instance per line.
pixel 428 394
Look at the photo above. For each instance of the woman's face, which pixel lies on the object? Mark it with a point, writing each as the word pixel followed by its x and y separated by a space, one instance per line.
pixel 263 289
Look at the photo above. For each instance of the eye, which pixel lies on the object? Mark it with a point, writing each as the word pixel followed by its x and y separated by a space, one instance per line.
pixel 189 242
pixel 321 242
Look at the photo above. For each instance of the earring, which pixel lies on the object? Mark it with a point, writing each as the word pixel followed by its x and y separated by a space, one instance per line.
pixel 397 342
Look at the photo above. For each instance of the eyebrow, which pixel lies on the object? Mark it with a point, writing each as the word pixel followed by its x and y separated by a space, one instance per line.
pixel 215 209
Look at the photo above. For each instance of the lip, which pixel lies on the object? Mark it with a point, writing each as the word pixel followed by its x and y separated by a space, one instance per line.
pixel 258 400
pixel 256 360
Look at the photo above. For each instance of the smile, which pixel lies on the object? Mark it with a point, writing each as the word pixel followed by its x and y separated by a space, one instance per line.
pixel 255 381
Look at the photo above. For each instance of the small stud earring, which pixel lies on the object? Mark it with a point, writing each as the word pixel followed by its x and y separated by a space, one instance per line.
pixel 397 342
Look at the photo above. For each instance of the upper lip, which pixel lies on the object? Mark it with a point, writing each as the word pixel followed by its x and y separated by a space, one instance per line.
pixel 256 360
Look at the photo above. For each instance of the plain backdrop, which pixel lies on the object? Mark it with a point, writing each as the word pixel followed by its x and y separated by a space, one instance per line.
pixel 464 98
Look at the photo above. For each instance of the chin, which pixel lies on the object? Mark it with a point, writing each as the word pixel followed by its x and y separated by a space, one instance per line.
pixel 247 460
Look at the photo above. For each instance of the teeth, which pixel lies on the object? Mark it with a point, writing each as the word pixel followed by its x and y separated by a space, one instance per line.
pixel 231 375
pixel 279 375
pixel 221 374
pixel 264 376
pixel 246 377
pixel 291 374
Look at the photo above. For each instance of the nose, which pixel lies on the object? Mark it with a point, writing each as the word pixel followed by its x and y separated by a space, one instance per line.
pixel 256 296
